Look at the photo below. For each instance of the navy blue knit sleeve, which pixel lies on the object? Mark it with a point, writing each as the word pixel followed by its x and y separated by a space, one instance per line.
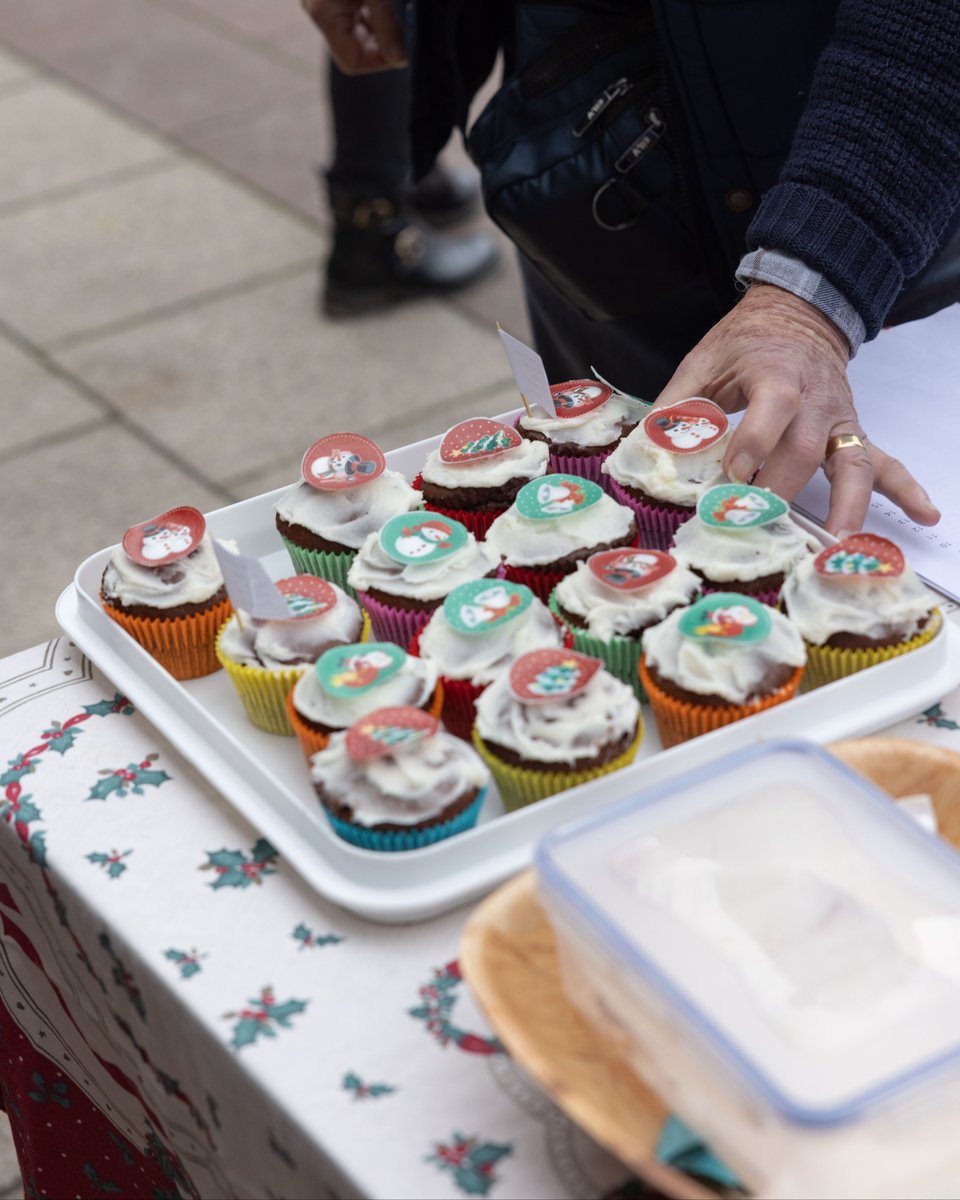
pixel 873 174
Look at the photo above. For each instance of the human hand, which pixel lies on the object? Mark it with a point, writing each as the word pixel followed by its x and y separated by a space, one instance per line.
pixel 786 363
pixel 363 35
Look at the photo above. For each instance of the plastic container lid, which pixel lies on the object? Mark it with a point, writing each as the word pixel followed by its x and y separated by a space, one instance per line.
pixel 807 928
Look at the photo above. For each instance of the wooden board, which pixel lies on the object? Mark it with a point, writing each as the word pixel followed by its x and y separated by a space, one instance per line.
pixel 509 960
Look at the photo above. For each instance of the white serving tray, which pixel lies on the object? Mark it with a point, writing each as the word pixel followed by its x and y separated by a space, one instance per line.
pixel 265 777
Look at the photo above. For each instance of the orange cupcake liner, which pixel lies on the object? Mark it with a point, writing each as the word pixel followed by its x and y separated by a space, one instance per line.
pixel 184 646
pixel 679 720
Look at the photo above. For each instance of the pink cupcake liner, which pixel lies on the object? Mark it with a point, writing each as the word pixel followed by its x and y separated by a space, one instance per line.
pixel 477 522
pixel 770 597
pixel 393 624
pixel 657 525
pixel 586 466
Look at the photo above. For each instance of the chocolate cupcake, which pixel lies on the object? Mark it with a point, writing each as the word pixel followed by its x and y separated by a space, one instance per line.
pixel 345 494
pixel 590 421
pixel 555 523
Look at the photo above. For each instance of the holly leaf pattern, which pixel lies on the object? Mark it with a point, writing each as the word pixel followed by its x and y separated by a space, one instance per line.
pixel 103 708
pixel 263 852
pixel 59 739
pixel 188 963
pixel 131 778
pixel 262 1018
pixel 307 938
pixel 97 1182
pixel 936 718
pixel 112 862
pixel 234 869
pixel 106 787
pixel 365 1091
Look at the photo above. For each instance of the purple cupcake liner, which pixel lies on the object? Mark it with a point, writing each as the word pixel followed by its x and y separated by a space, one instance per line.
pixel 770 597
pixel 586 466
pixel 657 525
pixel 393 624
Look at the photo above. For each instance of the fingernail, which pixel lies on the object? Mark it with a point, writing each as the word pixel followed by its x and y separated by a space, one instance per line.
pixel 742 467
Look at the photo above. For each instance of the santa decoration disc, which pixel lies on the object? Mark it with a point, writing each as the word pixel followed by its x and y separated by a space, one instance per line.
pixel 387 730
pixel 577 397
pixel 342 460
pixel 477 438
pixel 734 506
pixel 483 604
pixel 556 496
pixel 727 617
pixel 554 674
pixel 357 669
pixel 307 596
pixel 628 570
pixel 860 556
pixel 419 537
pixel 164 539
pixel 687 426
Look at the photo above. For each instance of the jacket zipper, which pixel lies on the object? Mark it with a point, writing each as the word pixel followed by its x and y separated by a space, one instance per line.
pixel 654 131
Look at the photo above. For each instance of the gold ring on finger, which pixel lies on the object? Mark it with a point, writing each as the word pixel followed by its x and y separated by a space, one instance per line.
pixel 842 441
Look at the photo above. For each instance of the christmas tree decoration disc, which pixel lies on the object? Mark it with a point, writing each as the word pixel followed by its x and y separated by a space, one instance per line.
pixel 860 556
pixel 388 730
pixel 307 596
pixel 475 439
pixel 555 674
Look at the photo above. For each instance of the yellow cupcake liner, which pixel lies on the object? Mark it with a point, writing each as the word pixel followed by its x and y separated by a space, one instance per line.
pixel 263 691
pixel 679 720
pixel 520 786
pixel 826 664
pixel 183 645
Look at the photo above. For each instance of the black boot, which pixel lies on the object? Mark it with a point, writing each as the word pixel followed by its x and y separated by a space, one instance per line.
pixel 381 257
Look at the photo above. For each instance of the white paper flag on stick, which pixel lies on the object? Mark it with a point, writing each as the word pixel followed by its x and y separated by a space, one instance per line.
pixel 249 586
pixel 529 372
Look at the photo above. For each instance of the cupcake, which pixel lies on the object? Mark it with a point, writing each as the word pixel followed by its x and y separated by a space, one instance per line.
pixel 555 523
pixel 666 462
pixel 265 658
pixel 725 657
pixel 395 781
pixel 477 470
pixel 742 539
pixel 555 719
pixel 404 572
pixel 345 494
pixel 163 585
pixel 613 597
pixel 857 603
pixel 347 682
pixel 474 637
pixel 589 423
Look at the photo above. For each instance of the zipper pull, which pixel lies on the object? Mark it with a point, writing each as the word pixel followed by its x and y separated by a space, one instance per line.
pixel 649 138
pixel 601 104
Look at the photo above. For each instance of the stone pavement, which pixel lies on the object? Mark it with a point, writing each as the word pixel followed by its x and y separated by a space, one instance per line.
pixel 159 237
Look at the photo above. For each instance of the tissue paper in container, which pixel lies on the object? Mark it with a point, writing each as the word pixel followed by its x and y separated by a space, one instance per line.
pixel 779 947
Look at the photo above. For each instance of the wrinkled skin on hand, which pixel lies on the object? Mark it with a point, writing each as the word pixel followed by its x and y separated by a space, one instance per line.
pixel 363 35
pixel 784 362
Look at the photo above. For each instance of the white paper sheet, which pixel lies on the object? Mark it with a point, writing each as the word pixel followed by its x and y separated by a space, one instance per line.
pixel 906 385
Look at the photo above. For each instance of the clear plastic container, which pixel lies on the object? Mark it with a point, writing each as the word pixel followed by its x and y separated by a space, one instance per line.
pixel 777 947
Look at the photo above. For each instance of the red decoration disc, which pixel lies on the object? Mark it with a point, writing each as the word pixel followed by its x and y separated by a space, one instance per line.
pixel 307 596
pixel 164 539
pixel 577 397
pixel 477 438
pixel 342 460
pixel 687 426
pixel 628 570
pixel 543 675
pixel 860 556
pixel 387 730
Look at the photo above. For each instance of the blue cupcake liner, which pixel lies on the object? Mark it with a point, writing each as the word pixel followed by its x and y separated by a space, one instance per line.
pixel 368 839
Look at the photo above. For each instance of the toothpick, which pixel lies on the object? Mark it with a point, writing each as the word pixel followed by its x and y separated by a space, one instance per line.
pixel 236 613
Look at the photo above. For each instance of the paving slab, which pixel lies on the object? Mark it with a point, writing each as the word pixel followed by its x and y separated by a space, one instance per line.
pixel 13 69
pixel 107 480
pixel 34 403
pixel 246 382
pixel 55 138
pixel 78 264
pixel 252 18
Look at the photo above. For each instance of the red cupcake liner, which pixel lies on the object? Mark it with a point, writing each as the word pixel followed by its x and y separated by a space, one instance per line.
pixel 770 597
pixel 540 582
pixel 477 522
pixel 657 525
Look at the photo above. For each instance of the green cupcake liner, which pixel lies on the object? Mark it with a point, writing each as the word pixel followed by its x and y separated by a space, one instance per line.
pixel 325 564
pixel 412 839
pixel 621 656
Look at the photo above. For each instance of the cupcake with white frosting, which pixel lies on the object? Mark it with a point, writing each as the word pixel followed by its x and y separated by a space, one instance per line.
pixel 661 468
pixel 476 471
pixel 555 719
pixel 265 658
pixel 395 781
pixel 723 658
pixel 348 682
pixel 614 596
pixel 346 492
pixel 742 539
pixel 163 585
pixel 857 603
pixel 404 572
pixel 474 637
pixel 555 523
pixel 590 422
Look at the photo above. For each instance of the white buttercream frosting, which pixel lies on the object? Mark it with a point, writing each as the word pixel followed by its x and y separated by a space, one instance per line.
pixel 523 542
pixel 677 478
pixel 280 644
pixel 743 554
pixel 406 787
pixel 886 608
pixel 610 613
pixel 559 731
pixel 481 657
pixel 735 671
pixel 526 461
pixel 412 685
pixel 601 427
pixel 373 568
pixel 348 516
pixel 189 580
